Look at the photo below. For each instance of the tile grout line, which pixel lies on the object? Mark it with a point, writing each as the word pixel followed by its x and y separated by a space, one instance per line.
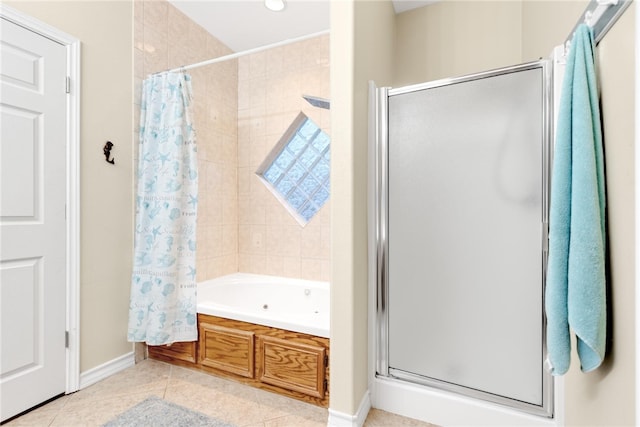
pixel 62 407
pixel 166 386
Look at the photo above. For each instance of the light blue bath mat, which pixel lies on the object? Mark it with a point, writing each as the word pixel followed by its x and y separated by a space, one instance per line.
pixel 156 412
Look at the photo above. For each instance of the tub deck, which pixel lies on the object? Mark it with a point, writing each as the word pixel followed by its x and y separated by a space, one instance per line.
pixel 289 304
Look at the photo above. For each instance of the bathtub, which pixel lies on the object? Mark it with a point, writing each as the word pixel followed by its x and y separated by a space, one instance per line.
pixel 291 304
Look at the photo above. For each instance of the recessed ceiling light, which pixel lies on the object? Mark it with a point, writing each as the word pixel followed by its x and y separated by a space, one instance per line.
pixel 274 5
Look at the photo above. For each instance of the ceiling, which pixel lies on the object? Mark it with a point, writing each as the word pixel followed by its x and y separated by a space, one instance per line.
pixel 246 24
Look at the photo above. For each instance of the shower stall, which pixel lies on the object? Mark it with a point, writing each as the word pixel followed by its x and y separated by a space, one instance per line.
pixel 460 173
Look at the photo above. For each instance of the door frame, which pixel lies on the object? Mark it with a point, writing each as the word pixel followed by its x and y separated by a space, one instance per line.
pixel 435 403
pixel 72 45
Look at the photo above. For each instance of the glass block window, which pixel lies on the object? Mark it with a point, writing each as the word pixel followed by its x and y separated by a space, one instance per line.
pixel 297 169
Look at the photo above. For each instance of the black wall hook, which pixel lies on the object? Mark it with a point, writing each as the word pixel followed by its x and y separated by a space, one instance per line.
pixel 107 152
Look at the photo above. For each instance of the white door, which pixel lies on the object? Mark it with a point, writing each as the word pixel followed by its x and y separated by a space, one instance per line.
pixel 33 105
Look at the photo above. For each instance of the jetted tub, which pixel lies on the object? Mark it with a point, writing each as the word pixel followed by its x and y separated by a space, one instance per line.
pixel 291 304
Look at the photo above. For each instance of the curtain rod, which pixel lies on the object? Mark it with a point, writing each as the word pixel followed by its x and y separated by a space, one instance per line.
pixel 245 52
pixel 600 15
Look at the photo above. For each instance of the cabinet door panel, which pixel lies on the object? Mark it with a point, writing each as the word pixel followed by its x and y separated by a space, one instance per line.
pixel 178 350
pixel 293 366
pixel 229 350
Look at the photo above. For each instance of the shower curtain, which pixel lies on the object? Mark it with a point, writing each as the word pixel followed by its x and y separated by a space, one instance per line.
pixel 162 307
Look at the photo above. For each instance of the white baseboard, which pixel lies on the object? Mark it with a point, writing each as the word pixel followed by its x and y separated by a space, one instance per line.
pixel 107 369
pixel 340 419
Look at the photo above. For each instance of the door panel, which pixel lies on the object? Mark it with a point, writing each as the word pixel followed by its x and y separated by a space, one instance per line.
pixel 465 255
pixel 19 154
pixel 32 219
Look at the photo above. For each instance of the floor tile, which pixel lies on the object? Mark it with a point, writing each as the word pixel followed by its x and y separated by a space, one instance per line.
pixel 378 418
pixel 43 415
pixel 275 406
pixel 97 411
pixel 38 417
pixel 147 377
pixel 295 421
pixel 226 400
pixel 238 410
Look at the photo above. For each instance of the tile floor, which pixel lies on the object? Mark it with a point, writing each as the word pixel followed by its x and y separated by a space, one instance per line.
pixel 232 402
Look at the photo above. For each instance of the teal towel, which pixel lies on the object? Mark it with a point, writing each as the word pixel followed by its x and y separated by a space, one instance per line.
pixel 576 290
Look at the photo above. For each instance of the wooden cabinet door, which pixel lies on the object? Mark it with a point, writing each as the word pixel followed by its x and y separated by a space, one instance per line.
pixel 230 350
pixel 291 365
pixel 178 350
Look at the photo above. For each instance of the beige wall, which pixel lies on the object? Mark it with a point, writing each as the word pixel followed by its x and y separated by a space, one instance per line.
pixel 343 395
pixel 360 51
pixel 105 30
pixel 165 38
pixel 453 38
pixel 270 88
pixel 546 24
pixel 427 47
pixel 362 39
pixel 607 395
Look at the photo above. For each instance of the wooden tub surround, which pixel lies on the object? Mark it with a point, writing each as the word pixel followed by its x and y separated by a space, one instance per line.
pixel 290 363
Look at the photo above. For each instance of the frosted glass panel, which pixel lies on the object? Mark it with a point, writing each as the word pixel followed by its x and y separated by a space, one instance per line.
pixel 464 234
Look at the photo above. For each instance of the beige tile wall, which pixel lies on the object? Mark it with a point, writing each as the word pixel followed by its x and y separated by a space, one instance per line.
pixel 270 88
pixel 165 38
pixel 241 109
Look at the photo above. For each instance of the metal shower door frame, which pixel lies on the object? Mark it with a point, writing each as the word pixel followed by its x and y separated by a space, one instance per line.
pixel 379 113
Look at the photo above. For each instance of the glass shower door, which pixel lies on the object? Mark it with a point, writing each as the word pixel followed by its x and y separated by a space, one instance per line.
pixel 465 231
